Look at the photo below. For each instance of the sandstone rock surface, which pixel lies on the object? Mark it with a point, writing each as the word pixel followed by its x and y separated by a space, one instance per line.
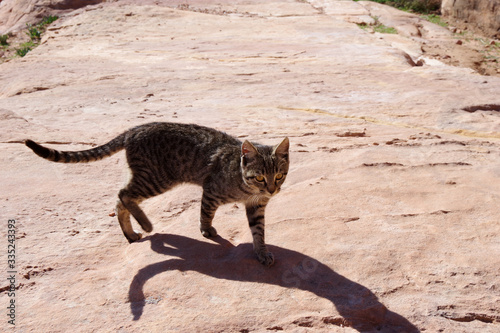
pixel 388 221
pixel 481 15
pixel 15 14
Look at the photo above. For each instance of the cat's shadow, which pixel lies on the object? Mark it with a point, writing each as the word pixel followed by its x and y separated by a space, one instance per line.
pixel 358 306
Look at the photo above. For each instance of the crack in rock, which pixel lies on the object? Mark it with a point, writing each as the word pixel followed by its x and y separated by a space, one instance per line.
pixel 484 107
pixel 470 316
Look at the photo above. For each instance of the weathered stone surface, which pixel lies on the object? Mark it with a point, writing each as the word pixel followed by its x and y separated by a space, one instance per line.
pixel 408 24
pixel 15 14
pixel 480 15
pixel 388 221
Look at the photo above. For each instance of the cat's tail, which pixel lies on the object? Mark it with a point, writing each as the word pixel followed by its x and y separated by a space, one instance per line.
pixel 82 156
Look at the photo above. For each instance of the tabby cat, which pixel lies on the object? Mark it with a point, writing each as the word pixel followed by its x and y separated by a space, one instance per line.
pixel 163 155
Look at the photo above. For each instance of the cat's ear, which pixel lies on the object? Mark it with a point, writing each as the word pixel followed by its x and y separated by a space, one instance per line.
pixel 248 152
pixel 281 150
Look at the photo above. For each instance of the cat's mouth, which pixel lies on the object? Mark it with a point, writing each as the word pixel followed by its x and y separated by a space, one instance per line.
pixel 268 193
pixel 265 193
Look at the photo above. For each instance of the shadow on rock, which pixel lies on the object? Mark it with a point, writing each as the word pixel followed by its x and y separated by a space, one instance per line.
pixel 358 306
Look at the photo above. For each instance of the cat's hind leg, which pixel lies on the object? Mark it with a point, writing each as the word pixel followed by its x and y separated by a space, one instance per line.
pixel 131 203
pixel 144 184
pixel 124 218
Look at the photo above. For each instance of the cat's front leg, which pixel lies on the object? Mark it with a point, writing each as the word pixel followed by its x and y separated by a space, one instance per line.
pixel 208 207
pixel 255 215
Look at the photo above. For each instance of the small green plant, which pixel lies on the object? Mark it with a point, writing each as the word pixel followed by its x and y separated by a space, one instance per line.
pixel 48 20
pixel 3 40
pixel 384 29
pixel 419 6
pixel 378 27
pixel 363 25
pixel 33 33
pixel 436 19
pixel 22 51
pixel 25 48
pixel 492 52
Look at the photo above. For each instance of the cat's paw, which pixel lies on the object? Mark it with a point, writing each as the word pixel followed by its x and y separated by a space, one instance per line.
pixel 210 232
pixel 265 258
pixel 134 237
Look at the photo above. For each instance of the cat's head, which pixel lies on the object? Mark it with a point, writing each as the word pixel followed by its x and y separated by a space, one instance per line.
pixel 264 168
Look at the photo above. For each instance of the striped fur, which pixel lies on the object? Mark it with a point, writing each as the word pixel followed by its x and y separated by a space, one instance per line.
pixel 90 155
pixel 163 155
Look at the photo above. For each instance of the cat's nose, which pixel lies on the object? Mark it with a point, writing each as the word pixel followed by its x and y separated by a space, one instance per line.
pixel 271 189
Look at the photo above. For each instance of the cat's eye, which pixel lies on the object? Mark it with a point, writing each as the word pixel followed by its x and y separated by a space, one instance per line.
pixel 259 178
pixel 279 176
